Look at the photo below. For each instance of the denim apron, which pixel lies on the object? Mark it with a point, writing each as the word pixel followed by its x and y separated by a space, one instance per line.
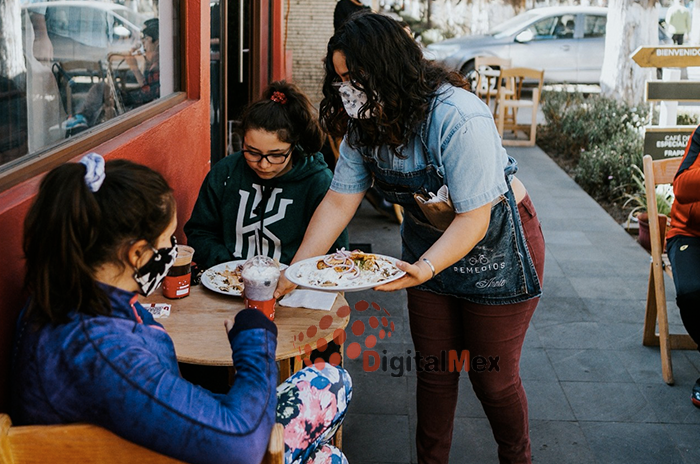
pixel 497 271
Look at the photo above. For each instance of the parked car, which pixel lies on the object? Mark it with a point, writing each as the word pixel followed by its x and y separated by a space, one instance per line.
pixel 568 42
pixel 88 30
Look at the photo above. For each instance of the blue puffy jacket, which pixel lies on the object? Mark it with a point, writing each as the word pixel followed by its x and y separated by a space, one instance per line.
pixel 120 372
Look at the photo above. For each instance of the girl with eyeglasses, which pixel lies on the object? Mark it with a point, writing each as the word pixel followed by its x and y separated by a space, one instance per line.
pixel 261 199
pixel 97 236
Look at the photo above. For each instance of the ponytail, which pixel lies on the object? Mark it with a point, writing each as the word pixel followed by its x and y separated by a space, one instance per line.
pixel 70 231
pixel 61 226
pixel 287 112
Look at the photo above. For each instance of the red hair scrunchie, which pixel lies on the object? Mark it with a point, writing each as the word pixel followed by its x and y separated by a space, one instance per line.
pixel 278 97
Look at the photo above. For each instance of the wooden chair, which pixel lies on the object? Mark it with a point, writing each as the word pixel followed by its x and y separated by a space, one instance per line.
pixel 487 72
pixel 70 71
pixel 506 102
pixel 660 172
pixel 89 444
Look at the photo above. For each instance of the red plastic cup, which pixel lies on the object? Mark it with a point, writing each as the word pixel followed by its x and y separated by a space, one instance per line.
pixel 177 283
pixel 267 307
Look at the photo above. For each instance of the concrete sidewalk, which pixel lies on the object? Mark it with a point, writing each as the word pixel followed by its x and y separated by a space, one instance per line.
pixel 595 393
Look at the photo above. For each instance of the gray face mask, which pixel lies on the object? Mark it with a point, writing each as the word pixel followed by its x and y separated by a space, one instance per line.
pixel 353 99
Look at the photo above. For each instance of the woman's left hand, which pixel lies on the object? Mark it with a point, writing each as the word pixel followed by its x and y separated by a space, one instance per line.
pixel 416 274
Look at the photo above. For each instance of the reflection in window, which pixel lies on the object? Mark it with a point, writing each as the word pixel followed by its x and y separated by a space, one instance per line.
pixel 544 29
pixel 594 26
pixel 555 27
pixel 71 65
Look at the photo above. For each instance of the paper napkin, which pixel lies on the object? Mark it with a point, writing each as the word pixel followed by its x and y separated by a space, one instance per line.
pixel 311 299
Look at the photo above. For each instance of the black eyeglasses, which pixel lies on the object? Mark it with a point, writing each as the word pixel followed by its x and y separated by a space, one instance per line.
pixel 272 158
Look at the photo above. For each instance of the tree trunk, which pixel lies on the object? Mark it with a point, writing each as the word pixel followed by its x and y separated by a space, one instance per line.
pixel 630 24
pixel 11 56
pixel 428 8
pixel 694 36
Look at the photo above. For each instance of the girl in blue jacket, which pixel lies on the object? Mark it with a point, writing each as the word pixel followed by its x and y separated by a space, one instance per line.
pixel 98 235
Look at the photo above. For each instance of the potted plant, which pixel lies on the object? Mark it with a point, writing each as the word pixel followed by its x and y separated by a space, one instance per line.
pixel 638 199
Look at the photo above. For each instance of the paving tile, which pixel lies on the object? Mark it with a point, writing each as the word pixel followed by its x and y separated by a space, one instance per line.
pixel 613 288
pixel 468 405
pixel 622 336
pixel 554 310
pixel 551 266
pixel 379 393
pixel 587 267
pixel 623 443
pixel 686 439
pixel 671 403
pixel 565 223
pixel 572 335
pixel 373 438
pixel 644 365
pixel 693 357
pixel 557 287
pixel 558 442
pixel 618 310
pixel 568 237
pixel 586 365
pixel 532 338
pixel 546 401
pixel 610 402
pixel 473 442
pixel 567 252
pixel 535 365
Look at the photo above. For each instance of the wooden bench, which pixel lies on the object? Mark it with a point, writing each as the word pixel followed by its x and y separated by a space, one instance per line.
pixel 87 444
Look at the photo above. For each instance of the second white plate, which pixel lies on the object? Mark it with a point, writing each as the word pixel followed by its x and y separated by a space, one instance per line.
pixel 306 274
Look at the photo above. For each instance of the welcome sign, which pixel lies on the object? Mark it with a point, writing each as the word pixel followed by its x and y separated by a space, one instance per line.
pixel 667 56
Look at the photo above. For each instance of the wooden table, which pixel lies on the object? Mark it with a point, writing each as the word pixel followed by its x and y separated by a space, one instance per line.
pixel 196 325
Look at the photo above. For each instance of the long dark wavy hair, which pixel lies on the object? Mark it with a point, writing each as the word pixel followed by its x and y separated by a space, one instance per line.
pixel 70 231
pixel 386 63
pixel 293 119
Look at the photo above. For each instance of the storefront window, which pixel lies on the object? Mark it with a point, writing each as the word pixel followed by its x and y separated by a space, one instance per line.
pixel 68 66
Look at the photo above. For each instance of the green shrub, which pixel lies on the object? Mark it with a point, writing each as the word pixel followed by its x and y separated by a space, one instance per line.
pixel 605 170
pixel 687 119
pixel 600 136
pixel 576 122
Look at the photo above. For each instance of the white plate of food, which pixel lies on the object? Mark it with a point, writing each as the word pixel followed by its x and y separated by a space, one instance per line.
pixel 225 278
pixel 344 271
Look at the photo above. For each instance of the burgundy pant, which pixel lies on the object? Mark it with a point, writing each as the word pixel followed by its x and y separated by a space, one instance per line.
pixel 443 323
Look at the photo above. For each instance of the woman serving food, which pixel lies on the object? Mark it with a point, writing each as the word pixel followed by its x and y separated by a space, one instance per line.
pixel 413 129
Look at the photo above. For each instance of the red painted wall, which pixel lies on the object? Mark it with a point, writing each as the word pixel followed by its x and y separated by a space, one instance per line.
pixel 176 143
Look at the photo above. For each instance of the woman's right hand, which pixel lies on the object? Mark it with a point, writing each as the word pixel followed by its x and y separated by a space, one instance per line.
pixel 284 286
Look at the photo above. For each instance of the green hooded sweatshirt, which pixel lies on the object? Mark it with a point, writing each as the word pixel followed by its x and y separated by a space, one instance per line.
pixel 227 218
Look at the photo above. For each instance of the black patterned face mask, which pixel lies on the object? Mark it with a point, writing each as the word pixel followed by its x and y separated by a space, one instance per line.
pixel 150 275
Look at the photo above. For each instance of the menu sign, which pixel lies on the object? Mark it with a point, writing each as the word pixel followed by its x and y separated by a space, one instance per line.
pixel 673 91
pixel 667 142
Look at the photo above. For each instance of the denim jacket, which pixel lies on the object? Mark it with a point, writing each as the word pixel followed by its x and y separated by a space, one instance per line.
pixel 120 372
pixel 458 146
